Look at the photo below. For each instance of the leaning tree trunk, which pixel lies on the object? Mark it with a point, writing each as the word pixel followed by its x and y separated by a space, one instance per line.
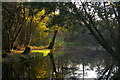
pixel 90 24
pixel 118 18
pixel 53 40
pixel 118 45
pixel 17 31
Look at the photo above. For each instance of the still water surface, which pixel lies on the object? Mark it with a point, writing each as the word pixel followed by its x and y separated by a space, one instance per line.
pixel 70 63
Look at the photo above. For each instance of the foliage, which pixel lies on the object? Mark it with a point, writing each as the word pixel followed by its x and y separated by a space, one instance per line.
pixel 30 26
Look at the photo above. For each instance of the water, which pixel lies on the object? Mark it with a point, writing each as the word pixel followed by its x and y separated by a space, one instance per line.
pixel 84 63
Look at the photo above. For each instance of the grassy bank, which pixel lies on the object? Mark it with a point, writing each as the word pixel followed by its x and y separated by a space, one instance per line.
pixel 16 56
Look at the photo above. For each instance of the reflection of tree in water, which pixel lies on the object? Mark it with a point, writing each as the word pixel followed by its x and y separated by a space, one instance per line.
pixel 66 65
pixel 34 69
pixel 94 59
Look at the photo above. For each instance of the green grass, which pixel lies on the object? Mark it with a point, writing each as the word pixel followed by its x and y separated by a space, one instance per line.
pixel 44 52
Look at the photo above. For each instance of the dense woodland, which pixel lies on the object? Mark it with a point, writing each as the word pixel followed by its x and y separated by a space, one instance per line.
pixel 48 24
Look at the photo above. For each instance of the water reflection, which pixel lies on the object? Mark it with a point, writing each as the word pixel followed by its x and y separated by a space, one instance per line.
pixel 85 63
pixel 67 63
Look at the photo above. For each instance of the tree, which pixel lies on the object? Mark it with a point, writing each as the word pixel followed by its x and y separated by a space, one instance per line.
pixel 12 24
pixel 92 14
pixel 100 18
pixel 21 20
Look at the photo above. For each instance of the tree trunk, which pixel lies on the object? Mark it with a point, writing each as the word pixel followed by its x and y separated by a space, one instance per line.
pixel 30 32
pixel 53 40
pixel 118 26
pixel 118 45
pixel 5 41
pixel 21 23
pixel 14 39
